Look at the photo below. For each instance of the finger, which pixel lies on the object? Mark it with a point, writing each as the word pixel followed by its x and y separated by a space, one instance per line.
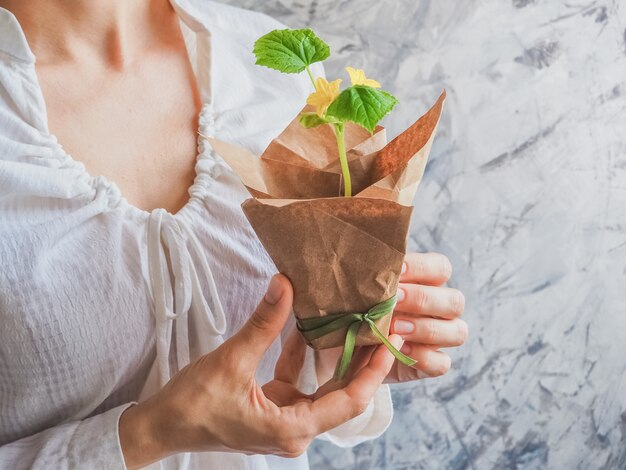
pixel 428 330
pixel 431 269
pixel 326 362
pixel 442 302
pixel 339 406
pixel 265 324
pixel 401 373
pixel 361 358
pixel 430 361
pixel 291 359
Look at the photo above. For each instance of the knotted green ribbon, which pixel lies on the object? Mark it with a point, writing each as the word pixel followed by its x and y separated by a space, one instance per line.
pixel 314 328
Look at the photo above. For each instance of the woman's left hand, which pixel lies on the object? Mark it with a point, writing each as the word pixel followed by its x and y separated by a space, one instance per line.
pixel 427 317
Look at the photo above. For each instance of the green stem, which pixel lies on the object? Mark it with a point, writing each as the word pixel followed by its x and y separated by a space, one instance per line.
pixel 343 159
pixel 311 76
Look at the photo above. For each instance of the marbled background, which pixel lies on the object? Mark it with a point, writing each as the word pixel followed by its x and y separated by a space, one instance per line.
pixel 526 193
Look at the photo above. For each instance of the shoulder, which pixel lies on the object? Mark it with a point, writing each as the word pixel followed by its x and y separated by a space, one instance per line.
pixel 212 14
pixel 12 40
pixel 254 103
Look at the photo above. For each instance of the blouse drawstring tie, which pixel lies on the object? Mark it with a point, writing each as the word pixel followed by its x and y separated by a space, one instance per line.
pixel 176 264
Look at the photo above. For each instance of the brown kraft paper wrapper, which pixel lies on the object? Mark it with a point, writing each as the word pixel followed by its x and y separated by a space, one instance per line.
pixel 342 255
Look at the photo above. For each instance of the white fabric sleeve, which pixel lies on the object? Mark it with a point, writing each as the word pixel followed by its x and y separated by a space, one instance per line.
pixel 90 443
pixel 369 425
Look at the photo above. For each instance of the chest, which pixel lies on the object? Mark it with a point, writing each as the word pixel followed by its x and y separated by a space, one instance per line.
pixel 136 126
pixel 82 309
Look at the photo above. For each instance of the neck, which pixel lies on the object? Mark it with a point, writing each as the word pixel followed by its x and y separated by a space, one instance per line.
pixel 116 31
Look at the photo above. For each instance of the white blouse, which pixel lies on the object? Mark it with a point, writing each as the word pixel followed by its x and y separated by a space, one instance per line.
pixel 89 325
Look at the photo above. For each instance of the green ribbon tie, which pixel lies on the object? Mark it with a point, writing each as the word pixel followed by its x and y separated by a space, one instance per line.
pixel 314 328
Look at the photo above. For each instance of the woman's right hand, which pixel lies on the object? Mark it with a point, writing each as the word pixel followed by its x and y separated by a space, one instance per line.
pixel 215 403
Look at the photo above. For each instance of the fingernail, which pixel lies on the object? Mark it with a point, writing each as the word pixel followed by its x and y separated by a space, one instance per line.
pixel 403 327
pixel 404 267
pixel 406 348
pixel 400 295
pixel 274 291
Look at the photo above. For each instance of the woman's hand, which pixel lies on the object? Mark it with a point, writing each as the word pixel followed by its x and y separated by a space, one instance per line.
pixel 427 317
pixel 215 403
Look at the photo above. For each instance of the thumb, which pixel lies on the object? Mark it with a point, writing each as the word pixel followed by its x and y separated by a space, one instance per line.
pixel 267 321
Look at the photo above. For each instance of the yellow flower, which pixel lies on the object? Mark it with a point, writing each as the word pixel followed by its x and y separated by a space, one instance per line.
pixel 325 93
pixel 357 77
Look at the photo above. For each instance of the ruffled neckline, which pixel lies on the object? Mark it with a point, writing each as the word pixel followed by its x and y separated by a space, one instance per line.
pixel 100 185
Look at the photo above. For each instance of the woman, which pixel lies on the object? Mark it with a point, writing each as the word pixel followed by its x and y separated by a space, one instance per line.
pixel 126 299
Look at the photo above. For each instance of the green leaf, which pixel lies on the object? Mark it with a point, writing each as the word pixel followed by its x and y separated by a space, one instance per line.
pixel 363 105
pixel 310 120
pixel 290 50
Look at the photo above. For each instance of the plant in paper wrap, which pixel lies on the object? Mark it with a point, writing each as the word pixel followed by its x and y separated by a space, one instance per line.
pixel 342 254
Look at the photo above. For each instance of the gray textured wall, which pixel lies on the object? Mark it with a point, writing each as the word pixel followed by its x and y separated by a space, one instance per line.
pixel 526 193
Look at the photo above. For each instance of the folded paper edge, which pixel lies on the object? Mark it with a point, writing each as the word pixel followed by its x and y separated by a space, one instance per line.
pixel 241 161
pixel 377 190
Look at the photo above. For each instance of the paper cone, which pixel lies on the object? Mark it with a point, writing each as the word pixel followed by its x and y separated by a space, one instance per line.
pixel 342 255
